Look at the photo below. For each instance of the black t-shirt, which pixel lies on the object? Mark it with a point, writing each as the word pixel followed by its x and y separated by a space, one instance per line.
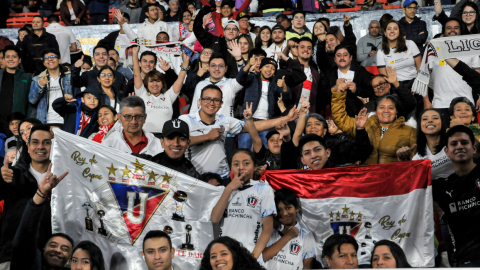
pixel 6 101
pixel 273 161
pixel 459 198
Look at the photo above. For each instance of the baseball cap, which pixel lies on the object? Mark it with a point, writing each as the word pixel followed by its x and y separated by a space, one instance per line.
pixel 409 2
pixel 242 15
pixel 227 3
pixel 266 61
pixel 176 126
pixel 271 133
pixel 229 22
pixel 278 26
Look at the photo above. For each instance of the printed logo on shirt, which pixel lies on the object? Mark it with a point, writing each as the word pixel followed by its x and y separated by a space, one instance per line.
pixel 252 201
pixel 295 248
pixel 453 208
pixel 238 203
pixel 464 204
pixel 118 47
pixel 150 104
pixel 392 62
pixel 478 183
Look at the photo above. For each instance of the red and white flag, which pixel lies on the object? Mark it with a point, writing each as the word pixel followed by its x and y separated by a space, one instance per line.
pixel 389 201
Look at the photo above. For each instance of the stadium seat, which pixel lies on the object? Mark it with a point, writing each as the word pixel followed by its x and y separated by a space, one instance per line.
pixel 333 10
pixel 360 2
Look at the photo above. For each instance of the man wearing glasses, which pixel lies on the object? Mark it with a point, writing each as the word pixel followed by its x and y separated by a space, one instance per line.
pixel 132 138
pixel 413 28
pixel 298 23
pixel 49 85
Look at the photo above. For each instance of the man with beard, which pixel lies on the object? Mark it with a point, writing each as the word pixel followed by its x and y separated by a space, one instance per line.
pixel 347 71
pixel 279 42
pixel 27 176
pixel 133 10
pixel 445 82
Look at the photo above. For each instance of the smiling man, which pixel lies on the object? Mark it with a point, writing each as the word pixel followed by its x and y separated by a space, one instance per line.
pixel 314 152
pixel 458 196
pixel 158 251
pixel 413 28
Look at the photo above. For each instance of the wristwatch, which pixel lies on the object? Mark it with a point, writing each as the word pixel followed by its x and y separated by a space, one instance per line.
pixel 240 60
pixel 185 69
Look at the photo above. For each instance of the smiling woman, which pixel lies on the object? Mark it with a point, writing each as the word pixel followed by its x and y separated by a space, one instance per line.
pixel 87 256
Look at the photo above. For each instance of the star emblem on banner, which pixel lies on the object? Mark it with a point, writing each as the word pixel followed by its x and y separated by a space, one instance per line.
pixel 331 214
pixel 166 178
pixel 352 214
pixel 151 175
pixel 360 215
pixel 437 48
pixel 111 170
pixel 345 209
pixel 126 172
pixel 338 214
pixel 138 166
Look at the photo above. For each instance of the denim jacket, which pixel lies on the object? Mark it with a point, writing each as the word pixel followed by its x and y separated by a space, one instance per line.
pixel 39 95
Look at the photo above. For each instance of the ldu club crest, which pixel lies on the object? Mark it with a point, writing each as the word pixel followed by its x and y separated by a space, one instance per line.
pixel 346 223
pixel 295 248
pixel 137 205
pixel 252 201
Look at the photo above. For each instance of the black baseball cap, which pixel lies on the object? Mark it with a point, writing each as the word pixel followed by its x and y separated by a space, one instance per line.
pixel 271 133
pixel 176 126
pixel 278 26
pixel 227 3
pixel 242 15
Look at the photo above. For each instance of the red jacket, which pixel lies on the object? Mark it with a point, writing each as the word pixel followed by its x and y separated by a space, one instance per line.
pixel 217 17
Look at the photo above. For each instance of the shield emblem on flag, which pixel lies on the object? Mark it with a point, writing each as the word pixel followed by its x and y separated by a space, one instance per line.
pixel 252 201
pixel 478 183
pixel 295 248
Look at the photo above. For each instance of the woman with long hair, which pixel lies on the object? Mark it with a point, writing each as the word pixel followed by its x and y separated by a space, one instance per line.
pixel 431 144
pixel 289 231
pixel 110 95
pixel 246 45
pixel 465 11
pixel 24 128
pixel 185 20
pixel 229 253
pixel 153 90
pixel 264 39
pixel 387 254
pixel 319 32
pixel 107 118
pixel 87 256
pixel 73 12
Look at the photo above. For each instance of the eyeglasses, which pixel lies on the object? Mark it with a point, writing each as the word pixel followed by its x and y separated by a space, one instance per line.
pixel 207 53
pixel 299 18
pixel 380 85
pixel 105 75
pixel 215 100
pixel 469 13
pixel 217 66
pixel 27 129
pixel 49 57
pixel 137 117
pixel 233 29
pixel 414 8
pixel 163 39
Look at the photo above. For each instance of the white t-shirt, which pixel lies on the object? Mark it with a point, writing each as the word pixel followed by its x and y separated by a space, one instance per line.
pixel 448 84
pixel 65 37
pixel 262 109
pixel 229 87
pixel 442 166
pixel 347 76
pixel 404 62
pixel 121 43
pixel 292 255
pixel 54 92
pixel 38 176
pixel 158 108
pixel 210 156
pixel 72 14
pixel 244 213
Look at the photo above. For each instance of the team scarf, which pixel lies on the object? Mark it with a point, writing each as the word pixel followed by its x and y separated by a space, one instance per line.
pixel 102 131
pixel 440 49
pixel 173 47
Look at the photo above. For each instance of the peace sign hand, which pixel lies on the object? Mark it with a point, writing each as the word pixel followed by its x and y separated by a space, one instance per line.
pixel 163 64
pixel 247 113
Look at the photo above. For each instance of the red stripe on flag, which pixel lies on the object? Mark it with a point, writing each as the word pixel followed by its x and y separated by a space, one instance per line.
pixel 357 181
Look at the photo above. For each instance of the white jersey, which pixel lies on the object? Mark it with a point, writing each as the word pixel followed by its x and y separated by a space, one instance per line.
pixel 210 156
pixel 246 208
pixel 158 108
pixel 292 255
pixel 123 41
pixel 65 38
pixel 147 32
pixel 229 87
pixel 442 166
pixel 403 62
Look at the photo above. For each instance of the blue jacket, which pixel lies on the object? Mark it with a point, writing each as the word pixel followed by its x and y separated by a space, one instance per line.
pixel 253 93
pixel 72 112
pixel 97 6
pixel 39 95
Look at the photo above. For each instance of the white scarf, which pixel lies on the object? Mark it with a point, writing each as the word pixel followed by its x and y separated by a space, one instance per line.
pixel 440 49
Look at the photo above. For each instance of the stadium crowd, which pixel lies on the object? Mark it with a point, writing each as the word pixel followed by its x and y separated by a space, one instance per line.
pixel 249 98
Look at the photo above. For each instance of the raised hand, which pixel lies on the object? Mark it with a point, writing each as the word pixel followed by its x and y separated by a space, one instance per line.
pixel 206 19
pixel 234 49
pixel 50 181
pixel 281 82
pixel 7 173
pixel 253 61
pixel 69 98
pixel 281 55
pixel 247 113
pixel 346 19
pixel 163 65
pixel 237 181
pixel 404 153
pixel 135 50
pixel 119 16
pixel 283 129
pixel 43 81
pixel 391 75
pixel 364 100
pixel 186 60
pixel 305 104
pixel 361 118
pixel 131 94
pixel 202 70
pixel 292 114
pixel 79 62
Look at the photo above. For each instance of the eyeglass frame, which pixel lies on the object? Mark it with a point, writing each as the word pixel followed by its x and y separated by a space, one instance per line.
pixel 215 101
pixel 469 13
pixel 45 58
pixel 380 85
pixel 106 75
pixel 129 118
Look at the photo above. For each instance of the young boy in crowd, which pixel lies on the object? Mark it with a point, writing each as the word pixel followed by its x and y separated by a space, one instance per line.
pixel 80 115
pixel 13 122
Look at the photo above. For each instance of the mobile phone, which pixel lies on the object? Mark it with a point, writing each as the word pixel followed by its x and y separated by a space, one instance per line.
pixel 187 50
